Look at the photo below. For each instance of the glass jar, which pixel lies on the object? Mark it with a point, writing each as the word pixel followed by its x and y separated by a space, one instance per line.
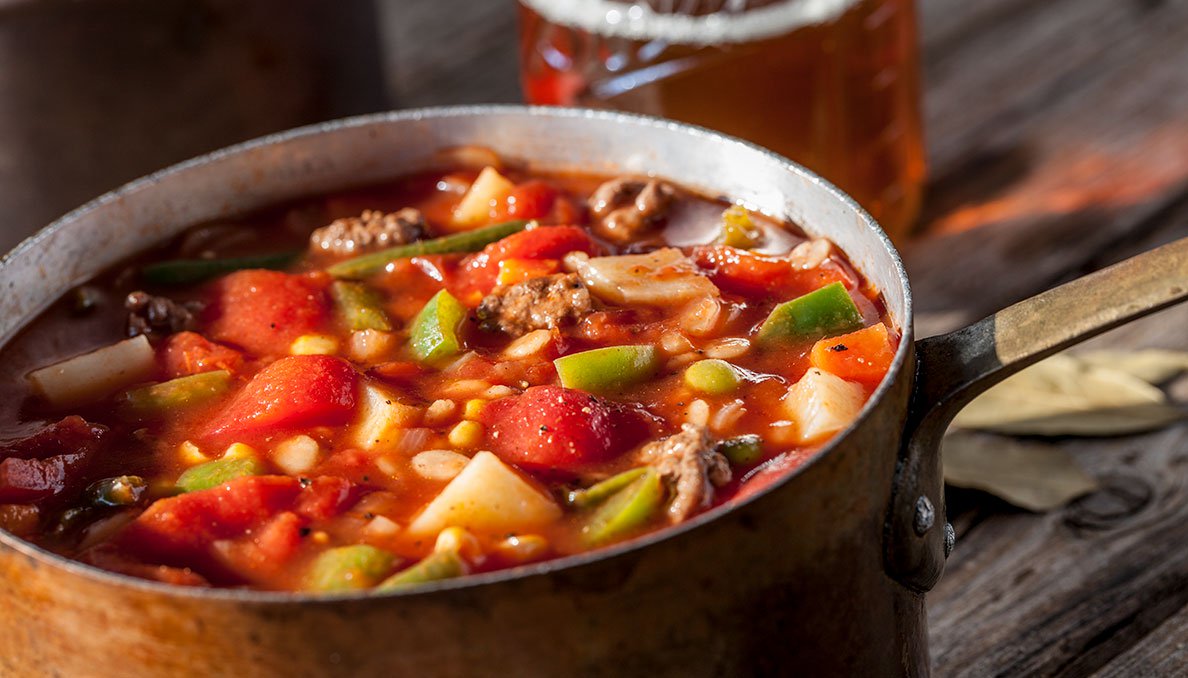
pixel 832 84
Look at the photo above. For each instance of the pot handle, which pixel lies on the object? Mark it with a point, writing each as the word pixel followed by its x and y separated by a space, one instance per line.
pixel 952 369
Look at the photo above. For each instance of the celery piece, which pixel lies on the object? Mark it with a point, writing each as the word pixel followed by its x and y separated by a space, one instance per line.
pixel 712 376
pixel 607 369
pixel 188 271
pixel 433 338
pixel 599 492
pixel 467 241
pixel 170 396
pixel 434 567
pixel 627 510
pixel 348 568
pixel 742 450
pixel 215 473
pixel 360 306
pixel 825 312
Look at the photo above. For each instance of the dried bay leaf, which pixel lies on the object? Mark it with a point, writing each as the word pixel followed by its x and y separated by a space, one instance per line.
pixel 1033 476
pixel 1066 396
pixel 1153 365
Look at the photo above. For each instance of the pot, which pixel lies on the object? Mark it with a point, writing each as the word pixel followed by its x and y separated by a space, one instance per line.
pixel 822 573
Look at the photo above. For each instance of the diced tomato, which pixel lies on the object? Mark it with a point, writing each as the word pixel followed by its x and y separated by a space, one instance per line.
pixel 49 462
pixel 265 550
pixel 264 311
pixel 512 271
pixel 480 271
pixel 529 200
pixel 187 353
pixel 749 274
pixel 325 497
pixel 293 392
pixel 180 530
pixel 864 355
pixel 107 557
pixel 556 430
pixel 620 326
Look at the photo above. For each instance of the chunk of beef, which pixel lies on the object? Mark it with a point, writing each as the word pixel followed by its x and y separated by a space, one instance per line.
pixel 149 314
pixel 50 462
pixel 690 467
pixel 540 303
pixel 372 230
pixel 626 208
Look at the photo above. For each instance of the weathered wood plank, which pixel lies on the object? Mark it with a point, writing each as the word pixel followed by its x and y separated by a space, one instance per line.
pixel 1162 653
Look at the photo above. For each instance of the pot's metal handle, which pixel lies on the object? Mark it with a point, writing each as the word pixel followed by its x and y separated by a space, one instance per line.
pixel 952 369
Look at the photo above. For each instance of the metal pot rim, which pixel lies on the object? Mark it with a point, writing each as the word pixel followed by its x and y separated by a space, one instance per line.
pixel 532 570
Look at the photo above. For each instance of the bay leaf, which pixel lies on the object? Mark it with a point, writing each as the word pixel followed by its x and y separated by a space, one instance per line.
pixel 1066 396
pixel 1033 476
pixel 1152 365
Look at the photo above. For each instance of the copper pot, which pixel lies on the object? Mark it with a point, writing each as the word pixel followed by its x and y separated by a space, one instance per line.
pixel 822 573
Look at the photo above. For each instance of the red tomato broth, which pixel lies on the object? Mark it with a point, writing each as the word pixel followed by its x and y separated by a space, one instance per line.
pixel 263 552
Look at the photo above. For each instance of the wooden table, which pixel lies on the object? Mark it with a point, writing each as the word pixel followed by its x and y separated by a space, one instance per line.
pixel 1058 143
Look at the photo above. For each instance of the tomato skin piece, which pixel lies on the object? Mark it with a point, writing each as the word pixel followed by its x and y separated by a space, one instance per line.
pixel 561 431
pixel 187 353
pixel 263 311
pixel 749 274
pixel 179 531
pixel 293 392
pixel 325 497
pixel 529 200
pixel 479 271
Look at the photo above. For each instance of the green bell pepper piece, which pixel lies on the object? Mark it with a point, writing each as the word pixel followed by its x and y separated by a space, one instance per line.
pixel 467 241
pixel 599 492
pixel 175 394
pixel 433 567
pixel 628 509
pixel 348 568
pixel 187 271
pixel 825 312
pixel 742 450
pixel 433 338
pixel 712 376
pixel 215 473
pixel 360 306
pixel 607 369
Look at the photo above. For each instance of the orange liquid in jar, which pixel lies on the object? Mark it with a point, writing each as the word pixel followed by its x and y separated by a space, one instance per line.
pixel 831 84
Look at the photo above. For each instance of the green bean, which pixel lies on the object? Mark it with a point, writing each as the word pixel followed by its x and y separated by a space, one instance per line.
pixel 170 396
pixel 188 271
pixel 599 492
pixel 467 241
pixel 629 508
pixel 742 450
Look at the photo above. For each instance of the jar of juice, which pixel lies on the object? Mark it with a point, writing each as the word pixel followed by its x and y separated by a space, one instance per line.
pixel 832 84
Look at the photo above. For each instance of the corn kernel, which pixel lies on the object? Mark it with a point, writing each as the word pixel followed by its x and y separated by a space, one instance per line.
pixel 474 408
pixel 523 548
pixel 466 434
pixel 240 451
pixel 314 344
pixel 460 541
pixel 190 454
pixel 320 537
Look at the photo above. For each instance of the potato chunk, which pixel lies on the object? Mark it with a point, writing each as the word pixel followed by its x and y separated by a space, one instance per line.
pixel 90 376
pixel 487 496
pixel 822 404
pixel 382 418
pixel 659 278
pixel 475 207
